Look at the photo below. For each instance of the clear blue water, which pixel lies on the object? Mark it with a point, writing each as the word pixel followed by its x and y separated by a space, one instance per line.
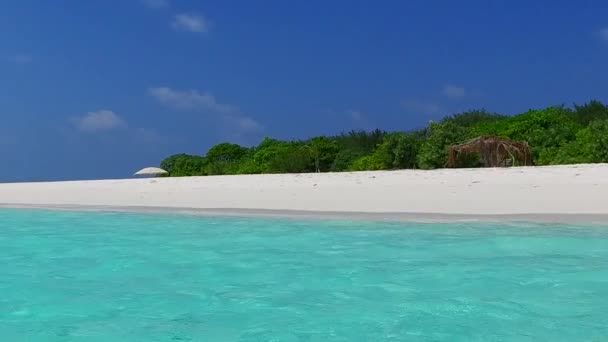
pixel 68 276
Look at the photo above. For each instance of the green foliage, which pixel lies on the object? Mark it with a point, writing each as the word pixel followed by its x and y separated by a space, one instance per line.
pixel 274 156
pixel 345 159
pixel 180 165
pixel 267 152
pixel 368 163
pixel 544 130
pixel 595 140
pixel 221 168
pixel 226 152
pixel 433 152
pixel 474 117
pixel 268 143
pixel 291 158
pixel 224 158
pixel 590 146
pixel 592 111
pixel 323 152
pixel 556 135
pixel 360 141
pixel 404 149
pixel 249 166
pixel 398 151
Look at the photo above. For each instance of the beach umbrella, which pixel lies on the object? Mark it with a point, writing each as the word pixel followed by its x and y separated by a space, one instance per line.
pixel 151 171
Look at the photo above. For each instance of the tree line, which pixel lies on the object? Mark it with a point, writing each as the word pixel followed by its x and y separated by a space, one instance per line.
pixel 556 135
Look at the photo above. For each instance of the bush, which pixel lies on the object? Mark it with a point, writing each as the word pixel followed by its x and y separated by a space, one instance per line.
pixel 367 163
pixel 180 165
pixel 434 150
pixel 556 135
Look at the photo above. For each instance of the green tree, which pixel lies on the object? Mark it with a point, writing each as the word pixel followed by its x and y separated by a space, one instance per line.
pixel 274 156
pixel 224 159
pixel 345 159
pixel 368 163
pixel 399 151
pixel 323 152
pixel 268 143
pixel 226 152
pixel 353 146
pixel 556 135
pixel 248 165
pixel 590 146
pixel 474 117
pixel 181 165
pixel 591 111
pixel 291 158
pixel 169 163
pixel 596 140
pixel 360 141
pixel 264 154
pixel 434 149
pixel 546 131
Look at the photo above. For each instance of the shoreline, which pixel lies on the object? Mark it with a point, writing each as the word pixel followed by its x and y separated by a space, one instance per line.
pixel 549 194
pixel 586 219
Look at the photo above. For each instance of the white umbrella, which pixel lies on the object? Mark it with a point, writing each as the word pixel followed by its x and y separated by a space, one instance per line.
pixel 151 171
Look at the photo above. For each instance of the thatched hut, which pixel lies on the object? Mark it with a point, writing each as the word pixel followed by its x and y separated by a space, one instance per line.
pixel 492 151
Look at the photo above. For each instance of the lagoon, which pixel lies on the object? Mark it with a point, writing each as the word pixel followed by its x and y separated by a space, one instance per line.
pixel 99 276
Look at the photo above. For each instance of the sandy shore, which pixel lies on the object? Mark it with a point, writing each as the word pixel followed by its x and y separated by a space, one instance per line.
pixel 538 193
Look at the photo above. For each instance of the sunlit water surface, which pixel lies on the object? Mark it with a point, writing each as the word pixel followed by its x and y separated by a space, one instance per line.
pixel 72 276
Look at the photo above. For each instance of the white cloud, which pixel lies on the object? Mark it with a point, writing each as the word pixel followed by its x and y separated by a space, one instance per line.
pixel 194 100
pixel 422 107
pixel 244 123
pixel 190 22
pixel 148 136
pixel 359 119
pixel 604 33
pixel 107 120
pixel 21 58
pixel 103 120
pixel 189 100
pixel 156 3
pixel 356 115
pixel 452 91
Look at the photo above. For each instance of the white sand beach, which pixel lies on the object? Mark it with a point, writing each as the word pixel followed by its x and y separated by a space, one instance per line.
pixel 550 191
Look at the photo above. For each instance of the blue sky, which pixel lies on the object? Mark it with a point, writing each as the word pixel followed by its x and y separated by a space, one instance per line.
pixel 98 89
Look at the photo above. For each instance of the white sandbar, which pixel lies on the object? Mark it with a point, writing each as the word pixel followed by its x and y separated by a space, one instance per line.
pixel 552 193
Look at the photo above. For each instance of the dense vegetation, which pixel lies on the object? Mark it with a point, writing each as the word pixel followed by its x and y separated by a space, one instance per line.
pixel 556 135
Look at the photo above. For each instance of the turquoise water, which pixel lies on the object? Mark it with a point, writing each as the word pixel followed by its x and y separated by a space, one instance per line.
pixel 68 276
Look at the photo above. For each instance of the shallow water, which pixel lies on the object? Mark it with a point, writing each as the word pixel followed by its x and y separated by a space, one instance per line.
pixel 69 276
